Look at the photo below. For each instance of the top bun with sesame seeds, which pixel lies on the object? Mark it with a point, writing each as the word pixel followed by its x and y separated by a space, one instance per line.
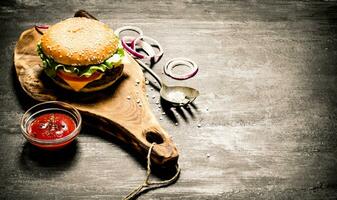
pixel 79 41
pixel 81 54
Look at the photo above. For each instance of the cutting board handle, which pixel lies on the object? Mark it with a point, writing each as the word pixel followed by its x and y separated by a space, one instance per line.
pixel 163 150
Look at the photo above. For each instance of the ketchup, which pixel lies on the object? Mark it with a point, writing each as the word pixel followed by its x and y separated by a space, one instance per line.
pixel 49 126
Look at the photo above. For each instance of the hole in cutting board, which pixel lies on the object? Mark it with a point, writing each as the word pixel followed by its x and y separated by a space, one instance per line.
pixel 154 137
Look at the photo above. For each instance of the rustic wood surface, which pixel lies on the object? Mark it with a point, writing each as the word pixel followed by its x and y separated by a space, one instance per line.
pixel 121 110
pixel 268 77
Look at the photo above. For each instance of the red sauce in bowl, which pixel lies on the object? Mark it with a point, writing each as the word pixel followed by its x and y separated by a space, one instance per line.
pixel 50 126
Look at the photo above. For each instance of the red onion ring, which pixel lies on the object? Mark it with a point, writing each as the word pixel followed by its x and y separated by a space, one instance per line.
pixel 180 61
pixel 139 41
pixel 41 28
pixel 130 44
pixel 126 41
pixel 128 28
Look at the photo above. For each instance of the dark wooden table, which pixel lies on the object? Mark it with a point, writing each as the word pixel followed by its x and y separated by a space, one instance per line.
pixel 267 109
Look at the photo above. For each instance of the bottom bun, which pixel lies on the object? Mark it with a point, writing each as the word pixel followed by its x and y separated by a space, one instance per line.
pixel 109 78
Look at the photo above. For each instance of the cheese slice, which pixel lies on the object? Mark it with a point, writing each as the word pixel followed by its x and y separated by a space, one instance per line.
pixel 78 85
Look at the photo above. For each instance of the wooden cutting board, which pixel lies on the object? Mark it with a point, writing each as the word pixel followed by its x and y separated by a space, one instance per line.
pixel 108 110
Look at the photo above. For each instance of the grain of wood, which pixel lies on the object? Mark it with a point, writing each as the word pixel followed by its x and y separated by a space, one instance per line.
pixel 267 75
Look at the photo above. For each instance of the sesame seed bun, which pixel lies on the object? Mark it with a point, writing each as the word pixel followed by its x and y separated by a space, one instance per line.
pixel 79 42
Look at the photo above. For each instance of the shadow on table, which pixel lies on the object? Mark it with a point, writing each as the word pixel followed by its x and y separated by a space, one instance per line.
pixel 38 162
pixel 185 112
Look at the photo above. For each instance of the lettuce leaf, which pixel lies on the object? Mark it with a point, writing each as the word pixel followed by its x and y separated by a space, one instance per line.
pixel 51 66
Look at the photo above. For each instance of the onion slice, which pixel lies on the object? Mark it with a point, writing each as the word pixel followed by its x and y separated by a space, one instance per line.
pixel 41 28
pixel 175 62
pixel 148 44
pixel 128 28
pixel 126 42
pixel 141 41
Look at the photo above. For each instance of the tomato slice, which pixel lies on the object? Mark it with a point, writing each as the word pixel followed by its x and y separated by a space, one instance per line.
pixel 74 77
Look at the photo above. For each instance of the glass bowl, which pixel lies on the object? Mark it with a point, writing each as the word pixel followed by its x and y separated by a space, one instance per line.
pixel 51 108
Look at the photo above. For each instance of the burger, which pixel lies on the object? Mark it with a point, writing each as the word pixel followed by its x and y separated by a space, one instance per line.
pixel 81 54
